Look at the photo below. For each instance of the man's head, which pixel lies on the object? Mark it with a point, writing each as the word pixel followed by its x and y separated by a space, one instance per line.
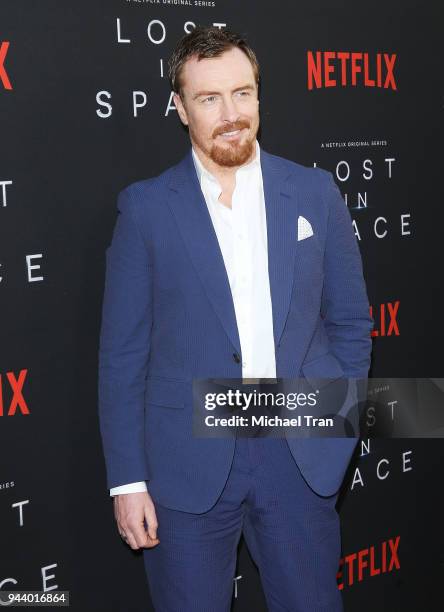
pixel 215 76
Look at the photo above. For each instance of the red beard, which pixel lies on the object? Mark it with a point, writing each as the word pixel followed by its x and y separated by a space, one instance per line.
pixel 233 153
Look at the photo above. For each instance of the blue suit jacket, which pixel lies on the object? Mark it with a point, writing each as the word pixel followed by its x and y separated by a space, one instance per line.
pixel 168 317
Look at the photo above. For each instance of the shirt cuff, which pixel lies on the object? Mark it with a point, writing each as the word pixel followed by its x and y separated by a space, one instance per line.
pixel 133 487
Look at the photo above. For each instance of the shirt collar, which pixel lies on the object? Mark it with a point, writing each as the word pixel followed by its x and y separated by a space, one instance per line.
pixel 203 172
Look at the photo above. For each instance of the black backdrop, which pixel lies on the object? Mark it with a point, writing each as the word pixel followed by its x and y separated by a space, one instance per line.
pixel 70 140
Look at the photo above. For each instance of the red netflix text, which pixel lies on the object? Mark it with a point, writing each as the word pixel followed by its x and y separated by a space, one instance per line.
pixel 345 68
pixel 369 562
pixel 385 318
pixel 15 384
pixel 4 46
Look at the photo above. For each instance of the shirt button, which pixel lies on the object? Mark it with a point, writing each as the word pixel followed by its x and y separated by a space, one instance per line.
pixel 236 357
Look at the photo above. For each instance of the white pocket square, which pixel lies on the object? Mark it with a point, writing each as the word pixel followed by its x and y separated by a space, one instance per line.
pixel 304 228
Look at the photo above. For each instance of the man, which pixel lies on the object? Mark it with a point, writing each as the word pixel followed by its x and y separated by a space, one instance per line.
pixel 234 263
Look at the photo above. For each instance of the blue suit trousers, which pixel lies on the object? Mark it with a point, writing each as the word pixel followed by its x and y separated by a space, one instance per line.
pixel 292 533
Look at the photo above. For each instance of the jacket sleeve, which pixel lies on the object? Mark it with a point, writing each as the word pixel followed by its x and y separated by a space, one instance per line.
pixel 124 348
pixel 345 306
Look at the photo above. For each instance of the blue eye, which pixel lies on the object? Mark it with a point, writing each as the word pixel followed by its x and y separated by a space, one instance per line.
pixel 209 99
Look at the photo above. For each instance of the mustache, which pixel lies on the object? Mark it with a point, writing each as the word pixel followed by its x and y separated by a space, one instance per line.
pixel 231 127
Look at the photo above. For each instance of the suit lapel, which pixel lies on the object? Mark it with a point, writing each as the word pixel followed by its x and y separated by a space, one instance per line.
pixel 282 213
pixel 188 205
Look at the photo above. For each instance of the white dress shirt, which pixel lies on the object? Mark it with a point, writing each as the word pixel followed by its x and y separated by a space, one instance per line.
pixel 242 235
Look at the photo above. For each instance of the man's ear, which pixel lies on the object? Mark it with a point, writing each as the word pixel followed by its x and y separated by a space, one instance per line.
pixel 180 108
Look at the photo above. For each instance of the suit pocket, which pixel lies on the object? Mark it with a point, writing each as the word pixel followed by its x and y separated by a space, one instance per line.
pixel 166 392
pixel 322 370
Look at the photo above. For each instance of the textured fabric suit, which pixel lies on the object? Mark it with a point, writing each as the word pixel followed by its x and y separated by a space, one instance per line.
pixel 168 317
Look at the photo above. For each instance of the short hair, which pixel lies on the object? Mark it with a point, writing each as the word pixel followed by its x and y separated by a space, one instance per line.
pixel 206 42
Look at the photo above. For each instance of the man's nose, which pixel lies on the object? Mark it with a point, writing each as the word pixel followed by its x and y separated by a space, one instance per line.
pixel 230 111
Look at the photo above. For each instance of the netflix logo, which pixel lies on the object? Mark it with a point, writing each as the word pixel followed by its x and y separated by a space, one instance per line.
pixel 369 562
pixel 13 385
pixel 4 46
pixel 344 68
pixel 386 319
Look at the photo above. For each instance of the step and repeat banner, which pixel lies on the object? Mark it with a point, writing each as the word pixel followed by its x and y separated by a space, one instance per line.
pixel 86 109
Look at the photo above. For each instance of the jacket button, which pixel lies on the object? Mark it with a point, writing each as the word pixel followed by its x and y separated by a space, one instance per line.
pixel 236 357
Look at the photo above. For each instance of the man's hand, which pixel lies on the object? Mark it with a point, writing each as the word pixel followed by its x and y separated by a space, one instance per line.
pixel 131 510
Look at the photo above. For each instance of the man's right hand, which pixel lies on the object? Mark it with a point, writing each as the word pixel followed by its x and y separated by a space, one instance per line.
pixel 130 511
